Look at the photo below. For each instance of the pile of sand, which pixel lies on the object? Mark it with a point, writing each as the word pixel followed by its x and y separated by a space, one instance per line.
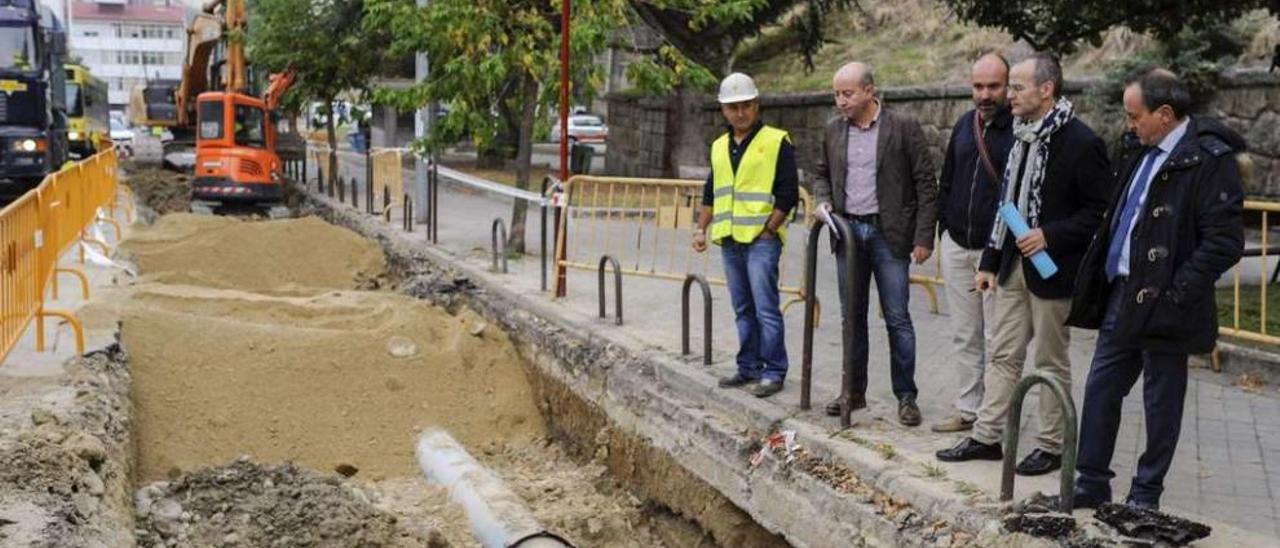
pixel 341 378
pixel 292 256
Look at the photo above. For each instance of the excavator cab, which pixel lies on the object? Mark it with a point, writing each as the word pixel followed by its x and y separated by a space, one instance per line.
pixel 235 151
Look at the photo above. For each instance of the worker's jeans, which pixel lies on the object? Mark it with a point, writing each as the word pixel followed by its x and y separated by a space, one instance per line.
pixel 751 271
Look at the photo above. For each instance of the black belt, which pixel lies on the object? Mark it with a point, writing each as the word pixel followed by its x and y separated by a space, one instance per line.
pixel 870 218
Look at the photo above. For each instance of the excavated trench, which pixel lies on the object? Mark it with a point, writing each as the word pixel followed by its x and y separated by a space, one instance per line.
pixel 273 377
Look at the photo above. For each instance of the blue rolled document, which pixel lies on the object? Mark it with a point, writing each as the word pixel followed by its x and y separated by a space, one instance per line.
pixel 1041 260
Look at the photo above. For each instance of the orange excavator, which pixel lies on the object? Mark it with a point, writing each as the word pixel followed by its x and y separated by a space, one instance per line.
pixel 235 132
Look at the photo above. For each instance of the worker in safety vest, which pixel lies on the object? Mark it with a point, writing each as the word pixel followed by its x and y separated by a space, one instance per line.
pixel 748 197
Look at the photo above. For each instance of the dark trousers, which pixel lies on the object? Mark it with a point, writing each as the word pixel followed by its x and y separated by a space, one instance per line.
pixel 1113 373
pixel 874 258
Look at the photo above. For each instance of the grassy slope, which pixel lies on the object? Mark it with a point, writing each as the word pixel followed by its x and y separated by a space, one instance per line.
pixel 920 42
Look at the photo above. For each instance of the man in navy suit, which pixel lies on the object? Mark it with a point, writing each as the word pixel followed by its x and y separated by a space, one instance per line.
pixel 1146 282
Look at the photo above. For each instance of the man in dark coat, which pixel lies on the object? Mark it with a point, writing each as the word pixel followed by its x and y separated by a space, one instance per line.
pixel 1146 282
pixel 1059 178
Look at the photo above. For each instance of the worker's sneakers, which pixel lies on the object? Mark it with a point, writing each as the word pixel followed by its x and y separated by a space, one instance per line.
pixel 766 388
pixel 954 423
pixel 736 380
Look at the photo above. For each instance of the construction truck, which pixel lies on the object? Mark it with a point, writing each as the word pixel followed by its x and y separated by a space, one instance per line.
pixel 235 158
pixel 33 118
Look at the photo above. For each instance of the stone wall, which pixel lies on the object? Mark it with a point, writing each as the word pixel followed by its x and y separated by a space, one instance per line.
pixel 669 137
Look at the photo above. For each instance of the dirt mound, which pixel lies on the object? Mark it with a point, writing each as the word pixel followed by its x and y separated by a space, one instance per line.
pixel 63 463
pixel 246 504
pixel 340 378
pixel 285 256
pixel 163 190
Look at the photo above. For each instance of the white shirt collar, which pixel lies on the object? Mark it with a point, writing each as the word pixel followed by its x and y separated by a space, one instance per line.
pixel 1171 140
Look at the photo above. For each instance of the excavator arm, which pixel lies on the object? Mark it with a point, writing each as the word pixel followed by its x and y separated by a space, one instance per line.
pixel 280 84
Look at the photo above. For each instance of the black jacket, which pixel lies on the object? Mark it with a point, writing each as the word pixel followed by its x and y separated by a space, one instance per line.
pixel 1077 183
pixel 1188 233
pixel 967 193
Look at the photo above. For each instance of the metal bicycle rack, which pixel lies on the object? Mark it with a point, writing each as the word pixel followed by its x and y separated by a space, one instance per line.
pixel 498 241
pixel 706 316
pixel 845 233
pixel 1013 428
pixel 617 286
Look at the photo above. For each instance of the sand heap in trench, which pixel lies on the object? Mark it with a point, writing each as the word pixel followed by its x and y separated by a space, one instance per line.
pixel 248 338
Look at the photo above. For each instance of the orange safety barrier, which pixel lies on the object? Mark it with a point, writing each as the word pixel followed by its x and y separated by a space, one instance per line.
pixel 36 229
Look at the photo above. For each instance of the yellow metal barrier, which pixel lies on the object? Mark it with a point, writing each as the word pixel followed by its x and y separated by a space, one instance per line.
pixel 1236 330
pixel 35 231
pixel 388 179
pixel 647 225
pixel 21 268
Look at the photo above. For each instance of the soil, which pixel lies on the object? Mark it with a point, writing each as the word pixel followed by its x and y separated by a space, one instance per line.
pixel 319 380
pixel 247 504
pixel 277 404
pixel 292 256
pixel 162 190
pixel 249 338
pixel 64 450
pixel 579 502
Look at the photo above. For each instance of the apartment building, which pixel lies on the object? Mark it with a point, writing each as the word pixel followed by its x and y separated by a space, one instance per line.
pixel 126 42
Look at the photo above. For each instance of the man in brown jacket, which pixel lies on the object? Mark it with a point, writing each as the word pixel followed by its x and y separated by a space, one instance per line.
pixel 875 172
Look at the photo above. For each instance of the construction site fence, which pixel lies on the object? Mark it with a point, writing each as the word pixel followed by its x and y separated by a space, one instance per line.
pixel 38 228
pixel 1236 328
pixel 647 225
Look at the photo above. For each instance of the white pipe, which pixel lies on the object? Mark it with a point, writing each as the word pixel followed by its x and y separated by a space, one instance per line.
pixel 498 516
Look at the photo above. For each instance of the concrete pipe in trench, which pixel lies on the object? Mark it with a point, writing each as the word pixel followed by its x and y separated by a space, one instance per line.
pixel 498 517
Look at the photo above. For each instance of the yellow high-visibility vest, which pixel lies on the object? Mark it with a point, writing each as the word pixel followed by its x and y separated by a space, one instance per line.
pixel 744 198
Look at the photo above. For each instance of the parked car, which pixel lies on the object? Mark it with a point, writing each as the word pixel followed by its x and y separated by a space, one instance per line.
pixel 583 128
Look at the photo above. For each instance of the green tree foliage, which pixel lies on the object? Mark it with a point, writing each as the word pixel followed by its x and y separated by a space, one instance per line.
pixel 708 31
pixel 324 41
pixel 1059 25
pixel 496 64
pixel 1197 55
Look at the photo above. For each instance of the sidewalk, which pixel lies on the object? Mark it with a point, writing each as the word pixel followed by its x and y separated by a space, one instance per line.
pixel 1228 465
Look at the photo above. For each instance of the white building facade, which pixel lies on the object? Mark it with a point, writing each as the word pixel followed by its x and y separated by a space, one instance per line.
pixel 127 42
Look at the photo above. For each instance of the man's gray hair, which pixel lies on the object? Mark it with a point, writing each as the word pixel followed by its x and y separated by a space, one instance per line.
pixel 1047 69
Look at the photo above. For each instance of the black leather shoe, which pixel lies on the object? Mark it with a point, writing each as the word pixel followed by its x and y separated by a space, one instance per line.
pixel 908 411
pixel 859 402
pixel 1086 499
pixel 1080 499
pixel 1142 504
pixel 971 449
pixel 735 381
pixel 766 388
pixel 1039 462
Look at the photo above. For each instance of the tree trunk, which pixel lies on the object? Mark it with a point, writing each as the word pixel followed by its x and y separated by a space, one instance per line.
pixel 332 132
pixel 524 157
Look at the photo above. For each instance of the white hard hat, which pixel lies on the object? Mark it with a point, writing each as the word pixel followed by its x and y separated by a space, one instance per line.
pixel 737 87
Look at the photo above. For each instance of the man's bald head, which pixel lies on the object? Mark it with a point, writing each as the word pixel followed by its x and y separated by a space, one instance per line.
pixel 855 73
pixel 989 78
pixel 855 91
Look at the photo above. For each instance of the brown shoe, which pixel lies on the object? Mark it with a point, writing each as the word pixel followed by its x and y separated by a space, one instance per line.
pixel 859 402
pixel 954 423
pixel 908 412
